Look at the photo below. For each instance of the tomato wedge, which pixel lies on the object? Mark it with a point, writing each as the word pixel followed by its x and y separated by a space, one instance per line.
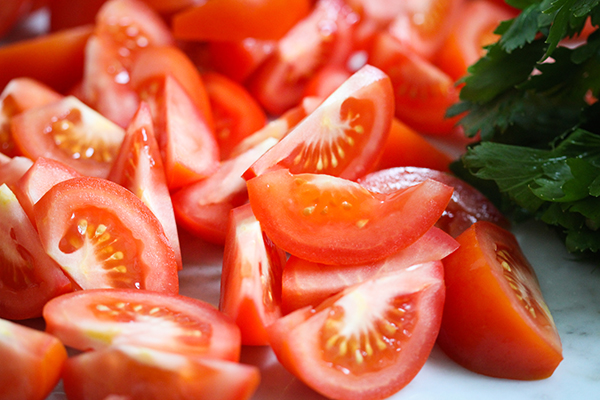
pixel 495 319
pixel 102 235
pixel 32 362
pixel 13 169
pixel 343 136
pixel 466 206
pixel 133 372
pixel 70 132
pixel 251 277
pixel 331 220
pixel 28 278
pixel 367 342
pixel 98 318
pixel 305 283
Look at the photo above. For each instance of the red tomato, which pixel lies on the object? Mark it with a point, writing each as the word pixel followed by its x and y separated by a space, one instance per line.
pixel 189 149
pixel 251 278
pixel 10 12
pixel 325 81
pixel 473 29
pixel 13 169
pixel 71 13
pixel 96 319
pixel 422 91
pixel 20 94
pixel 367 342
pixel 305 283
pixel 466 206
pixel 134 372
pixel 238 60
pixel 28 278
pixel 331 220
pixel 32 362
pixel 203 207
pixel 70 132
pixel 343 136
pixel 139 168
pixel 102 235
pixel 56 59
pixel 236 113
pixel 495 319
pixel 234 20
pixel 38 179
pixel 405 147
pixel 323 37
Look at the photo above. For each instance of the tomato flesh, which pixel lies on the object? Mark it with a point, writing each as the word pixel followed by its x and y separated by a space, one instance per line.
pixel 495 321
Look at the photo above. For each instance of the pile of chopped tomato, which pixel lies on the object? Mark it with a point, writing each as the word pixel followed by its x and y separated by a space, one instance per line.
pixel 302 146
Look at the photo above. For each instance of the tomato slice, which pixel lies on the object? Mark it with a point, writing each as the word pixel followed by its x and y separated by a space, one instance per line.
pixel 236 113
pixel 234 20
pixel 20 94
pixel 99 318
pixel 10 13
pixel 203 207
pixel 102 235
pixel 133 372
pixel 70 132
pixel 55 59
pixel 238 60
pixel 139 168
pixel 331 220
pixel 251 278
pixel 367 342
pixel 32 362
pixel 422 91
pixel 343 136
pixel 325 81
pixel 495 319
pixel 305 283
pixel 466 206
pixel 28 278
pixel 12 169
pixel 71 13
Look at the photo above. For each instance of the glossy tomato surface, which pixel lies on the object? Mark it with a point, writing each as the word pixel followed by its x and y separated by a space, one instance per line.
pixel 367 342
pixel 496 321
pixel 98 318
pixel 104 236
pixel 331 220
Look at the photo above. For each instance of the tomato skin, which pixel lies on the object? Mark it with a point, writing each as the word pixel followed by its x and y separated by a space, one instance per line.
pixel 251 277
pixel 66 14
pixel 234 20
pixel 140 373
pixel 29 278
pixel 466 206
pixel 492 294
pixel 13 169
pixel 76 217
pixel 32 362
pixel 331 220
pixel 56 59
pixel 321 345
pixel 238 60
pixel 99 318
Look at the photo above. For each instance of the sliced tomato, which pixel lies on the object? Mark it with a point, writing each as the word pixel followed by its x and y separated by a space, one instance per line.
pixel 367 342
pixel 70 132
pixel 239 59
pixel 405 147
pixel 13 169
pixel 495 319
pixel 203 207
pixel 139 168
pixel 422 91
pixel 55 59
pixel 10 13
pixel 473 29
pixel 236 113
pixel 28 278
pixel 251 277
pixel 71 13
pixel 234 20
pixel 331 220
pixel 325 81
pixel 323 37
pixel 343 136
pixel 32 362
pixel 38 179
pixel 102 235
pixel 96 319
pixel 305 283
pixel 20 94
pixel 466 206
